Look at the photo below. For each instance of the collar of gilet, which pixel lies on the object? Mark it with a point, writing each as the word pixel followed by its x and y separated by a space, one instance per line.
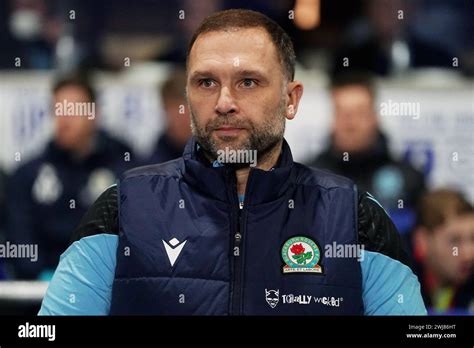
pixel 218 182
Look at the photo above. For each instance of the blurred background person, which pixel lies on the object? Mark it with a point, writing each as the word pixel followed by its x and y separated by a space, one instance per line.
pixel 358 149
pixel 48 195
pixel 444 252
pixel 384 44
pixel 28 30
pixel 171 142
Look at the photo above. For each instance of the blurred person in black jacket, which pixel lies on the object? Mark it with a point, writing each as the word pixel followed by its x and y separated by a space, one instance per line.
pixel 443 244
pixel 384 44
pixel 171 142
pixel 358 149
pixel 48 195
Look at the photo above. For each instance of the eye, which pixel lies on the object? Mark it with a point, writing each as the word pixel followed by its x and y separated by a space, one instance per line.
pixel 248 83
pixel 455 240
pixel 206 83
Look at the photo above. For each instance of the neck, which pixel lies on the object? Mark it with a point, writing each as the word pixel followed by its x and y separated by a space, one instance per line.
pixel 85 149
pixel 265 162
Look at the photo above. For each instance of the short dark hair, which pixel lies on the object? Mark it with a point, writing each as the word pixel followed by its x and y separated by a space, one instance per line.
pixel 354 78
pixel 241 18
pixel 75 79
pixel 436 207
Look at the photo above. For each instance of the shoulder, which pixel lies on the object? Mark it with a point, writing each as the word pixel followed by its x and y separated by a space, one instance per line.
pixel 111 143
pixel 376 230
pixel 390 286
pixel 31 166
pixel 101 218
pixel 25 175
pixel 171 168
pixel 325 179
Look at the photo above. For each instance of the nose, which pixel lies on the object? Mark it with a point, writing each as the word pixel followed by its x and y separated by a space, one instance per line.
pixel 225 104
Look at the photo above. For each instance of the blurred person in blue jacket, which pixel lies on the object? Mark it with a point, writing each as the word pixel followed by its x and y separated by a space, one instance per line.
pixel 171 142
pixel 358 149
pixel 48 195
pixel 444 252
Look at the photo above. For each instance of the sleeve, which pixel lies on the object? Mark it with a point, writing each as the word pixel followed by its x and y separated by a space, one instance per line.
pixel 102 217
pixel 82 282
pixel 389 285
pixel 376 230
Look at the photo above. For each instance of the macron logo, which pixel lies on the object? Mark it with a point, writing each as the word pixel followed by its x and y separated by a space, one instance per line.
pixel 173 249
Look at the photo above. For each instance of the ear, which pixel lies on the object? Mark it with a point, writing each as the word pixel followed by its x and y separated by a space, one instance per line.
pixel 420 242
pixel 294 93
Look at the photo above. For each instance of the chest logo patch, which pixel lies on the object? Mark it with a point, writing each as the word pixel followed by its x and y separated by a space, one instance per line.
pixel 173 249
pixel 301 255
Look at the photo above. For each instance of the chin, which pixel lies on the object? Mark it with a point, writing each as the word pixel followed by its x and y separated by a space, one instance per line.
pixel 65 144
pixel 230 142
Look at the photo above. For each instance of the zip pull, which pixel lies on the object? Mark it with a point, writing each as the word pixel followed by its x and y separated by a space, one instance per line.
pixel 241 205
pixel 238 238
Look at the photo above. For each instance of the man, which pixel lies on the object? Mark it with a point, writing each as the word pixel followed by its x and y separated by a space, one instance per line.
pixel 48 195
pixel 358 149
pixel 444 249
pixel 170 144
pixel 216 232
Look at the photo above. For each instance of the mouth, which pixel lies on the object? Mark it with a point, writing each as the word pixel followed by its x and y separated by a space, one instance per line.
pixel 228 131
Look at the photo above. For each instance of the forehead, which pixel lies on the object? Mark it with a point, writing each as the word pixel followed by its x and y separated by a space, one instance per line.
pixel 351 93
pixel 71 91
pixel 461 223
pixel 246 48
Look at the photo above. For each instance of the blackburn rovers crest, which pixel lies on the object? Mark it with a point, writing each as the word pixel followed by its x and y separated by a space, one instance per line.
pixel 301 255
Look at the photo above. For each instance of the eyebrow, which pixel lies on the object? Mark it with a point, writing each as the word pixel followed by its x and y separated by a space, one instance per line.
pixel 247 72
pixel 200 75
pixel 241 73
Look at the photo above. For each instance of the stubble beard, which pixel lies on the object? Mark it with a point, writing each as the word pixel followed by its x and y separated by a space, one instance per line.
pixel 265 139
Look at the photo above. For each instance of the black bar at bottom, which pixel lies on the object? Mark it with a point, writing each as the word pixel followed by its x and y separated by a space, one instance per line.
pixel 415 331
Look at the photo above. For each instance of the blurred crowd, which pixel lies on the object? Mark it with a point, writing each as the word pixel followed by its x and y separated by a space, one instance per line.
pixel 384 36
pixel 44 199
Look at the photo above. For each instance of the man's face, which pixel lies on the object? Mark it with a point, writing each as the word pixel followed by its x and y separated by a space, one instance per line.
pixel 236 91
pixel 450 250
pixel 355 123
pixel 72 131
